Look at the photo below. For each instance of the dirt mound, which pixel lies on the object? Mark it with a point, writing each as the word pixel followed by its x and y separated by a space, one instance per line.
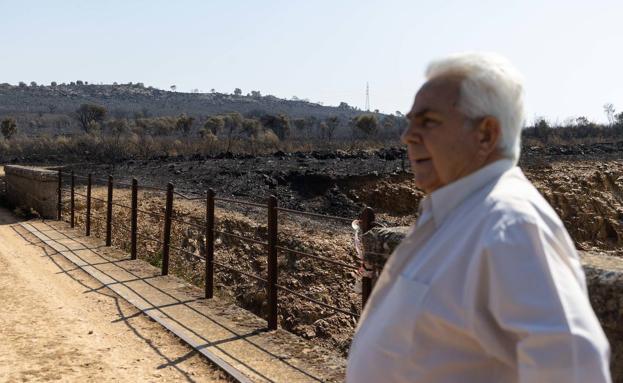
pixel 588 197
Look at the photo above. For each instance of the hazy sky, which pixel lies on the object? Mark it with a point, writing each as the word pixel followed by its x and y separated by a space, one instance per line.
pixel 569 51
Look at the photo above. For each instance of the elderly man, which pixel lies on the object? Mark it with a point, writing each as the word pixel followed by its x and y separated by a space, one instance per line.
pixel 487 287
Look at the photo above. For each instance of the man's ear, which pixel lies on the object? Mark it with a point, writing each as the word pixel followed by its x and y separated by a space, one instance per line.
pixel 489 134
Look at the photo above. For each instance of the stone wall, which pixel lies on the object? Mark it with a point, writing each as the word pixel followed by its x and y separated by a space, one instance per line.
pixel 604 276
pixel 32 187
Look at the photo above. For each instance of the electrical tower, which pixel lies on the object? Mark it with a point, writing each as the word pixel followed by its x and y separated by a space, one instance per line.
pixel 367 97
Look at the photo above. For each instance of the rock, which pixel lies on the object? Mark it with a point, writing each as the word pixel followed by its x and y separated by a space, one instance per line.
pixel 268 180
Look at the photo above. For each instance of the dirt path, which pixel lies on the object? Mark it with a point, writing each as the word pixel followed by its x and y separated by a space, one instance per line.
pixel 55 327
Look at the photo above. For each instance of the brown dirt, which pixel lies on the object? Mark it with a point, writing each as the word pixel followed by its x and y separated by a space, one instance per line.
pixel 588 196
pixel 53 327
pixel 330 284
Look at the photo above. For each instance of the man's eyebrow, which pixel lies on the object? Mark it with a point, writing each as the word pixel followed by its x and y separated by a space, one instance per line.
pixel 420 113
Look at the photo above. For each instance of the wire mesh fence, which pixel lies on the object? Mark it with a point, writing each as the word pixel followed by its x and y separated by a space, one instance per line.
pixel 184 234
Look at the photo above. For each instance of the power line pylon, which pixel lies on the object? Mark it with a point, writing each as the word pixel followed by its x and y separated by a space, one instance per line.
pixel 367 97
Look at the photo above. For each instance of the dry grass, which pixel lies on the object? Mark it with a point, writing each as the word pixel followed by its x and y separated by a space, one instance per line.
pixel 111 149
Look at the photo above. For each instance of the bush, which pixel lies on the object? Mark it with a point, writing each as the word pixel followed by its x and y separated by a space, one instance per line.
pixel 8 127
pixel 88 115
pixel 184 124
pixel 279 124
pixel 365 125
pixel 157 126
pixel 214 125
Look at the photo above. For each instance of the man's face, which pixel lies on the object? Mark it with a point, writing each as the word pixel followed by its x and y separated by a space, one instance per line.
pixel 441 147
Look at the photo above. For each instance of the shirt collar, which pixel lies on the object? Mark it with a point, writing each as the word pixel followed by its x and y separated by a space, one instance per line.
pixel 442 201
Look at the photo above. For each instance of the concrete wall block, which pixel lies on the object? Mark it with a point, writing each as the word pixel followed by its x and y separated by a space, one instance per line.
pixel 32 187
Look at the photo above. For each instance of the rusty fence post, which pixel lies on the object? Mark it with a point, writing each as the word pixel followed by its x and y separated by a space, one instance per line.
pixel 88 220
pixel 209 247
pixel 134 218
pixel 167 230
pixel 109 213
pixel 59 204
pixel 366 221
pixel 272 263
pixel 73 201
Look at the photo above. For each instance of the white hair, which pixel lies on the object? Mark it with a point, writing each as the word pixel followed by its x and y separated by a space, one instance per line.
pixel 490 86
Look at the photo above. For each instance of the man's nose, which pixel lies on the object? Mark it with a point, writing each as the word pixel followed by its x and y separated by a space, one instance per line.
pixel 410 136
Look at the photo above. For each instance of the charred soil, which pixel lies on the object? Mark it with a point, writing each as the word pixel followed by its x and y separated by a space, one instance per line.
pixel 583 183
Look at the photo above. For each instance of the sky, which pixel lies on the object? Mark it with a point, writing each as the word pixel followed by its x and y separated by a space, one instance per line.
pixel 326 51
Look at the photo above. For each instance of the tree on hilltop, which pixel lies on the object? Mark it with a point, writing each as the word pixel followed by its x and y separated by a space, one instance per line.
pixel 89 115
pixel 237 91
pixel 366 124
pixel 8 127
pixel 610 113
pixel 542 129
pixel 344 106
pixel 583 122
pixel 331 125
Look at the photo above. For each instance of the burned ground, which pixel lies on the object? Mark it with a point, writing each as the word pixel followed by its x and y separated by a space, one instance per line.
pixel 583 183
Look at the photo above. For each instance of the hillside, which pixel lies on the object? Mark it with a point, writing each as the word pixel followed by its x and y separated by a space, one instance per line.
pixel 130 100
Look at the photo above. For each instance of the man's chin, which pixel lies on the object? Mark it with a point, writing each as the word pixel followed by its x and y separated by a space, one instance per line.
pixel 426 184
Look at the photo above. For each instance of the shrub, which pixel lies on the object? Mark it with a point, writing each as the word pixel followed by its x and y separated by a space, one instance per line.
pixel 366 125
pixel 8 127
pixel 184 124
pixel 279 124
pixel 214 124
pixel 88 115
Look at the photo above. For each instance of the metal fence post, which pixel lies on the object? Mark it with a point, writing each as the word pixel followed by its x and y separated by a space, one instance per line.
pixel 366 221
pixel 167 230
pixel 109 213
pixel 73 203
pixel 134 218
pixel 59 205
pixel 209 247
pixel 272 263
pixel 88 220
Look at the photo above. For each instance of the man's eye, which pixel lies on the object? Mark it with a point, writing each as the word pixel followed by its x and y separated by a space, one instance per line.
pixel 427 122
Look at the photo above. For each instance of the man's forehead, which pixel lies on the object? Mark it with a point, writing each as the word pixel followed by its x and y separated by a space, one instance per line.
pixel 437 94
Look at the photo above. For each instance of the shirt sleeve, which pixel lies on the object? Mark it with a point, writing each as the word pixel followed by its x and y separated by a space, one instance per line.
pixel 533 309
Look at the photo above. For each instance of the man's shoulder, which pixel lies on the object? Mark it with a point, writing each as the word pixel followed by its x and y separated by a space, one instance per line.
pixel 514 199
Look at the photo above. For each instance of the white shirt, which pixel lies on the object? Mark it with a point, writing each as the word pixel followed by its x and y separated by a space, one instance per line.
pixel 488 287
